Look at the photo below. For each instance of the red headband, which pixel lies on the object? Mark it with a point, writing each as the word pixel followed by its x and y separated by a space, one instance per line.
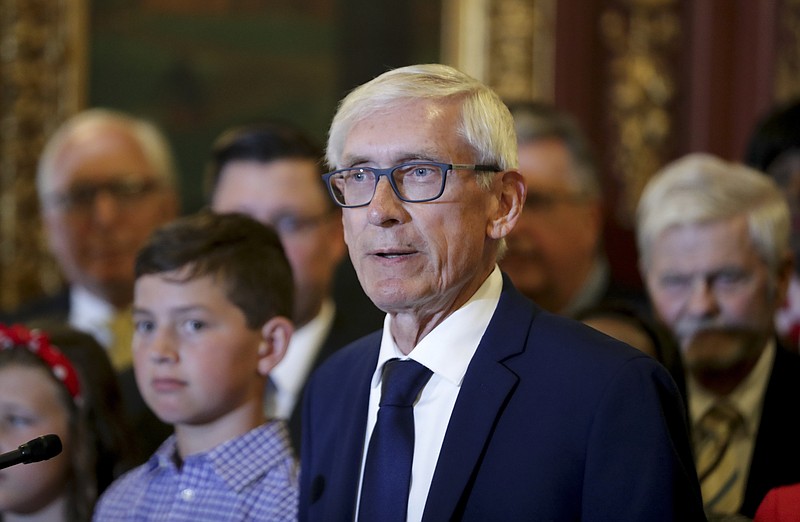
pixel 38 343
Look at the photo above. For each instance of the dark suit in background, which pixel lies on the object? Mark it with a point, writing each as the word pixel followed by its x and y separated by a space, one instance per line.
pixel 776 455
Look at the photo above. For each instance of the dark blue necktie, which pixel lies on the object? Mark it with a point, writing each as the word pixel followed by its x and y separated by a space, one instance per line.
pixel 387 470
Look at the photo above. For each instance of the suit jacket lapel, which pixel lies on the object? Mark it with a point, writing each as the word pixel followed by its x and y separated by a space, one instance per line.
pixel 351 431
pixel 479 405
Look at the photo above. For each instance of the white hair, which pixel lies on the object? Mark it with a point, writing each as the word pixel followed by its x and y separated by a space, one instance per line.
pixel 486 123
pixel 700 188
pixel 153 143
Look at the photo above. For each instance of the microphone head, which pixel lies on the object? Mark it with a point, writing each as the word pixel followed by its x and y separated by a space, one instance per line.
pixel 41 448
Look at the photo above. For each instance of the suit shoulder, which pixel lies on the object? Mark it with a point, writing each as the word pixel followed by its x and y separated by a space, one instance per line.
pixel 567 338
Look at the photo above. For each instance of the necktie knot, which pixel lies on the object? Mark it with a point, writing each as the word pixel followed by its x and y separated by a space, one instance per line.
pixel 402 382
pixel 720 422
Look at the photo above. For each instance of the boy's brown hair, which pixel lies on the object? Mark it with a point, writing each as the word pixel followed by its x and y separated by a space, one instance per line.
pixel 246 254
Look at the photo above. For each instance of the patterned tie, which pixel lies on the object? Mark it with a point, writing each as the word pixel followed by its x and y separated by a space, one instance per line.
pixel 387 471
pixel 719 473
pixel 121 327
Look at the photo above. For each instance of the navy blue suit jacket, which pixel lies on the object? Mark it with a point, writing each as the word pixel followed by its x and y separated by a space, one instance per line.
pixel 554 421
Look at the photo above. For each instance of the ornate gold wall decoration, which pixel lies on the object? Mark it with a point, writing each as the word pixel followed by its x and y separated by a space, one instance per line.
pixel 641 36
pixel 41 71
pixel 787 67
pixel 522 49
pixel 509 44
pixel 465 33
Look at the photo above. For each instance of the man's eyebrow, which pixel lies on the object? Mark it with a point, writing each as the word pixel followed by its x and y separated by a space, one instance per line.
pixel 401 157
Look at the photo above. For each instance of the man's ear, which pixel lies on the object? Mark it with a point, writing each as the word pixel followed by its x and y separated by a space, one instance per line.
pixel 275 336
pixel 511 198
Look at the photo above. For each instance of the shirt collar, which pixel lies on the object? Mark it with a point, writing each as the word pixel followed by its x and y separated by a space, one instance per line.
pixel 303 347
pixel 89 313
pixel 747 397
pixel 448 349
pixel 234 460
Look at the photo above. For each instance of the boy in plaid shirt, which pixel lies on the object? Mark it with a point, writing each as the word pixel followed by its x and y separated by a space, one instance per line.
pixel 212 299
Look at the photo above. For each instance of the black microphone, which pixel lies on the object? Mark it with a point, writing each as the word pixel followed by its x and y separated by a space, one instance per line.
pixel 40 448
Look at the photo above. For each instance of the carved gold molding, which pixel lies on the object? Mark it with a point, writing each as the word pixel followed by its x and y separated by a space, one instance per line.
pixel 509 44
pixel 787 67
pixel 42 55
pixel 640 35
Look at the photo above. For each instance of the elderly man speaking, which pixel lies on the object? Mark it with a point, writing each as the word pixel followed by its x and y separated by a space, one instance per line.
pixel 472 403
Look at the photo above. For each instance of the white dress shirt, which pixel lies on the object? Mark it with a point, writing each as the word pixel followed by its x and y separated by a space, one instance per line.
pixel 289 376
pixel 447 351
pixel 90 314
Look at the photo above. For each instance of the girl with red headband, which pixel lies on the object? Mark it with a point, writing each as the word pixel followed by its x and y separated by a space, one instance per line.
pixel 58 380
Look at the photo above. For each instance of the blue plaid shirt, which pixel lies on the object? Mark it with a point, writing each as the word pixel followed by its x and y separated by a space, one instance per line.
pixel 252 477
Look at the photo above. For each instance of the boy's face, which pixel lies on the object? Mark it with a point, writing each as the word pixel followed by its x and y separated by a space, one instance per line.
pixel 195 359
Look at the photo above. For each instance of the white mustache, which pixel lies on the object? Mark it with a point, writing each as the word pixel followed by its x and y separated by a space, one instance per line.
pixel 690 328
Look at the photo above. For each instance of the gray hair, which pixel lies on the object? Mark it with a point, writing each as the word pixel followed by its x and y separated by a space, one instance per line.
pixel 152 141
pixel 700 188
pixel 538 121
pixel 486 123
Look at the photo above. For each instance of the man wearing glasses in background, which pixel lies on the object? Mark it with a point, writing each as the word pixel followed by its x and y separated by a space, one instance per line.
pixel 555 253
pixel 472 403
pixel 105 181
pixel 271 171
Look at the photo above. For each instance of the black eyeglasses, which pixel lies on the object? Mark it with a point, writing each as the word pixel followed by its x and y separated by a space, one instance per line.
pixel 81 197
pixel 415 182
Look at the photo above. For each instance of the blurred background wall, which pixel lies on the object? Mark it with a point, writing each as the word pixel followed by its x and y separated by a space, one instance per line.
pixel 649 80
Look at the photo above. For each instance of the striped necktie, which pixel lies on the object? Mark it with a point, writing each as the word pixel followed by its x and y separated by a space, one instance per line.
pixel 717 468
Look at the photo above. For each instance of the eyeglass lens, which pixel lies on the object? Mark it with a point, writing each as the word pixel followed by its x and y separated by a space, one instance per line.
pixel 82 196
pixel 411 182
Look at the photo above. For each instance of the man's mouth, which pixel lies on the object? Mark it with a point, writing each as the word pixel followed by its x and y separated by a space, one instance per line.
pixel 393 255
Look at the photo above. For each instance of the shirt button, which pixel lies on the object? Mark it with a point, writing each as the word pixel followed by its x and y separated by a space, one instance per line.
pixel 187 494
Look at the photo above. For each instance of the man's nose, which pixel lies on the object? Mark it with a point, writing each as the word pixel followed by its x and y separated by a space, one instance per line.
pixel 702 299
pixel 105 207
pixel 385 206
